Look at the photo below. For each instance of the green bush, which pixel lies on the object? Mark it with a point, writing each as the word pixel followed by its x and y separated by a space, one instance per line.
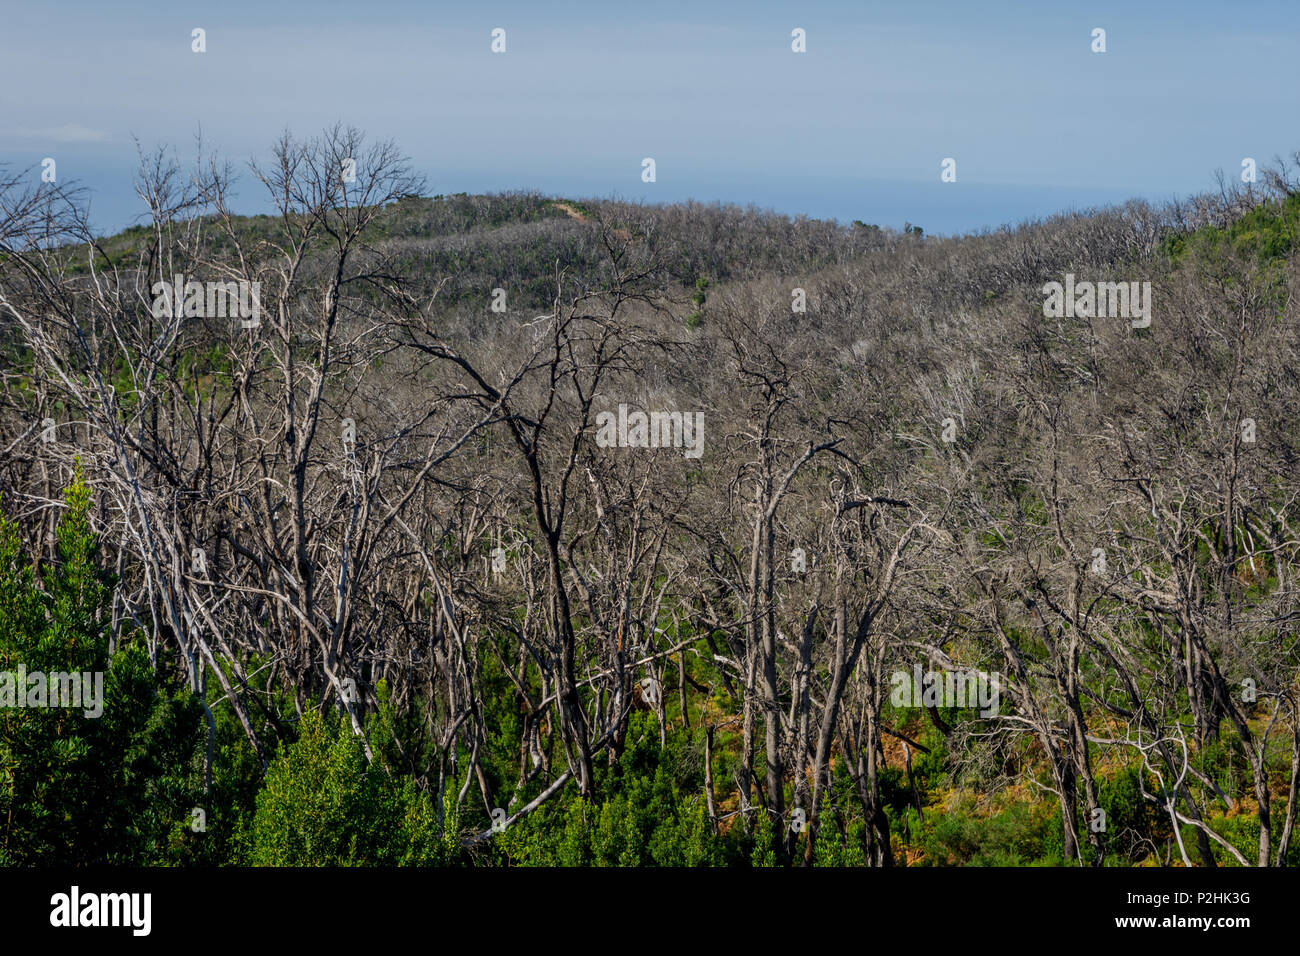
pixel 325 804
pixel 74 788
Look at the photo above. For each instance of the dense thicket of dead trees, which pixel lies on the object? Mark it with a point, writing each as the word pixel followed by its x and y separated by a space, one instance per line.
pixel 382 478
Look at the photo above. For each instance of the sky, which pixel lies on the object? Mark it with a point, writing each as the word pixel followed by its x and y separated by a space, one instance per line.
pixel 856 127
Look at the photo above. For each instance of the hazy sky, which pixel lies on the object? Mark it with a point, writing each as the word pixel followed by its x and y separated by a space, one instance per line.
pixel 855 128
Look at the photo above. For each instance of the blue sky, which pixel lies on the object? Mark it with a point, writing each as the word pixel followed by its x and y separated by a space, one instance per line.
pixel 855 128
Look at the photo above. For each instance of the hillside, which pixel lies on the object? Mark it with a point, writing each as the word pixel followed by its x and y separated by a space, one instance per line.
pixel 528 530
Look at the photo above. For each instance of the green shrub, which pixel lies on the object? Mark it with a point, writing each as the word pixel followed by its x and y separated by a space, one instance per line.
pixel 74 788
pixel 325 804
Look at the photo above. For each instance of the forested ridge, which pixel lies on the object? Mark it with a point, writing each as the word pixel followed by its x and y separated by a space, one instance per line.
pixel 374 579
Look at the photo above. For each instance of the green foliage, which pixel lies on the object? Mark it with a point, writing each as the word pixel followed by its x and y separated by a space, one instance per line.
pixel 78 788
pixel 648 823
pixel 120 788
pixel 1268 232
pixel 1019 835
pixel 829 848
pixel 764 851
pixel 324 804
pixel 701 286
pixel 651 812
pixel 1131 820
pixel 699 296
